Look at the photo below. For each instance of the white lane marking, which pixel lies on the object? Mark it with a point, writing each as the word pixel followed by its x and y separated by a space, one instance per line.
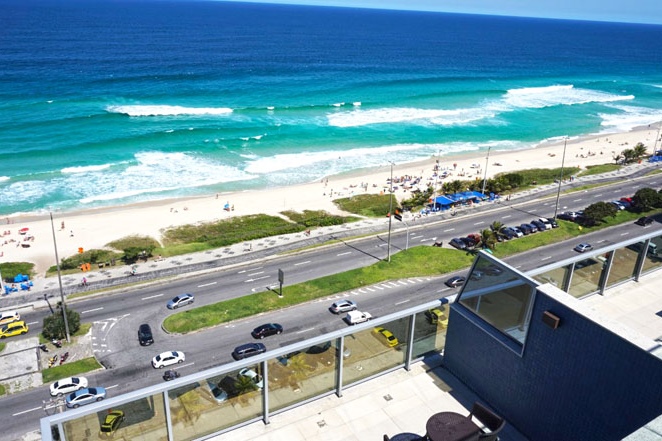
pixel 344 254
pixel 32 323
pixel 450 229
pixel 152 297
pixel 110 387
pixel 26 411
pixel 258 278
pixel 478 223
pixel 416 237
pixel 207 284
pixel 546 258
pixel 255 274
pixel 506 217
pixel 185 365
pixel 302 263
pixel 303 331
pixel 92 310
pixel 624 234
pixel 251 269
pixel 400 303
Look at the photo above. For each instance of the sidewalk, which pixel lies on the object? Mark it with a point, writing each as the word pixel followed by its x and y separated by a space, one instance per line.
pixel 116 276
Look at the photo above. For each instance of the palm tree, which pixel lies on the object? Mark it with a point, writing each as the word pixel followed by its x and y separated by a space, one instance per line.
pixel 497 227
pixel 488 238
pixel 639 150
pixel 456 186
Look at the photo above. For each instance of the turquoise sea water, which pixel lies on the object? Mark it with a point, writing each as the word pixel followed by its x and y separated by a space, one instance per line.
pixel 109 103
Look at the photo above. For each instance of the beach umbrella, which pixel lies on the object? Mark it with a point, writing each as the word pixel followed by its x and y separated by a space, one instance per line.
pixel 23 230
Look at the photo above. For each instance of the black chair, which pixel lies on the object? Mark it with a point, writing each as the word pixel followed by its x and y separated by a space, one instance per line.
pixel 489 419
pixel 404 437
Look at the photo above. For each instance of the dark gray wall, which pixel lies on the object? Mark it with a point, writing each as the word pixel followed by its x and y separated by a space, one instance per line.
pixel 577 382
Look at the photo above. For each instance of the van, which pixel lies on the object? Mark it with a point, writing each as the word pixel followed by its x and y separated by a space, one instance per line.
pixel 8 317
pixel 652 248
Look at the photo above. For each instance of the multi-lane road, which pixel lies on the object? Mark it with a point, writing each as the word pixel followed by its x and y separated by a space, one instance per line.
pixel 116 316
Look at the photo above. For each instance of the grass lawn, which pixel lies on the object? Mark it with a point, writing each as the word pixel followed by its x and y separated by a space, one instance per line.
pixel 70 369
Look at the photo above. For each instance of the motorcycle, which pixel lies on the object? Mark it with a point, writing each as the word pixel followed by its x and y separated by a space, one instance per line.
pixel 43 347
pixel 171 374
pixel 64 357
pixel 57 343
pixel 52 360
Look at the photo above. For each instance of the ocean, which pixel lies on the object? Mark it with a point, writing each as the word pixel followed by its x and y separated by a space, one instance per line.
pixel 113 102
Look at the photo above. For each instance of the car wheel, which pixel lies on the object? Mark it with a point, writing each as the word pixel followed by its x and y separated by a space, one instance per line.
pixel 76 406
pixel 175 307
pixel 59 394
pixel 279 332
pixel 161 367
pixel 99 398
pixel 180 361
pixel 261 336
pixel 354 308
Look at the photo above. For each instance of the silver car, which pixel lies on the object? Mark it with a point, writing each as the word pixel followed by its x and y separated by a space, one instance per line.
pixel 343 306
pixel 180 300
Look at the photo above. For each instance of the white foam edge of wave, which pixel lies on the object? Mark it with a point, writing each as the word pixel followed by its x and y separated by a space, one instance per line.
pixel 85 169
pixel 166 110
pixel 4 178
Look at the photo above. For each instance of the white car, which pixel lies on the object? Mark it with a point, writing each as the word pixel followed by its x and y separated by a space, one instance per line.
pixel 342 306
pixel 68 385
pixel 254 376
pixel 168 358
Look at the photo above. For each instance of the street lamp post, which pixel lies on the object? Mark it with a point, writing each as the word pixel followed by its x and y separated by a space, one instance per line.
pixel 487 161
pixel 390 215
pixel 59 279
pixel 558 193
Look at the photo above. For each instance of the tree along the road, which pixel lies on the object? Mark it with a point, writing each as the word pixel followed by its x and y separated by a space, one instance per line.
pixel 646 199
pixel 54 324
pixel 597 212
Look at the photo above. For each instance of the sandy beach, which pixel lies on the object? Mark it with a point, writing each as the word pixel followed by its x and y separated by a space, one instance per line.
pixel 93 229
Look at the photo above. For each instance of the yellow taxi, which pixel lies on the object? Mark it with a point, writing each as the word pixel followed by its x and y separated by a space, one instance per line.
pixel 12 329
pixel 437 317
pixel 386 337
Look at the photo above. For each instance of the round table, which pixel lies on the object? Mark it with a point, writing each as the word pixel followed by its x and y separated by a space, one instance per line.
pixel 451 426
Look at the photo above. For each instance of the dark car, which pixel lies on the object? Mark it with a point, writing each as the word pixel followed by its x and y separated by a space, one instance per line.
pixel 455 281
pixel 539 225
pixel 492 270
pixel 145 335
pixel 458 243
pixel 509 233
pixel 526 229
pixel 248 350
pixel 266 330
pixel 470 242
pixel 645 221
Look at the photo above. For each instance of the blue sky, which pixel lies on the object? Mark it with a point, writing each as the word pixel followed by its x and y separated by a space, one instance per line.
pixel 632 11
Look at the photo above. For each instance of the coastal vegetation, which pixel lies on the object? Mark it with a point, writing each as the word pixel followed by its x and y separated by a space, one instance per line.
pixel 69 369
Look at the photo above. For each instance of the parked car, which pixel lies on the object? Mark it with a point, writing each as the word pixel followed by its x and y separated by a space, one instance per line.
pixel 217 391
pixel 526 229
pixel 386 337
pixel 167 359
pixel 14 328
pixel 509 233
pixel 517 231
pixel 458 243
pixel 254 377
pixel 85 396
pixel 266 330
pixel 181 300
pixel 570 215
pixel 145 337
pixel 541 226
pixel 342 306
pixel 7 317
pixel 437 317
pixel 583 247
pixel 248 350
pixel 470 242
pixel 455 281
pixel 67 386
pixel 549 224
pixel 618 204
pixel 356 317
pixel 645 221
pixel 111 423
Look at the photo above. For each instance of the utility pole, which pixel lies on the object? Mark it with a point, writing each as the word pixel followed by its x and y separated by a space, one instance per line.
pixel 487 162
pixel 390 215
pixel 59 279
pixel 558 193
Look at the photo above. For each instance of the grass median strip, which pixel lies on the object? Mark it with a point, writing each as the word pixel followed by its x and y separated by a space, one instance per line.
pixel 70 369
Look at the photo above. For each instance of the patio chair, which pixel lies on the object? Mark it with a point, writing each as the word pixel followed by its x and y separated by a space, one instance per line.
pixel 489 419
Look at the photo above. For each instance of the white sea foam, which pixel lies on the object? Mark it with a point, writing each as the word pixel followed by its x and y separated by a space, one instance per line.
pixel 4 178
pixel 85 169
pixel 528 97
pixel 338 104
pixel 153 172
pixel 539 97
pixel 386 115
pixel 629 117
pixel 164 110
pixel 270 107
pixel 356 104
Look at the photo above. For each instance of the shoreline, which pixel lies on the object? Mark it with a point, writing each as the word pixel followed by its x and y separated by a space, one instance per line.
pixel 93 228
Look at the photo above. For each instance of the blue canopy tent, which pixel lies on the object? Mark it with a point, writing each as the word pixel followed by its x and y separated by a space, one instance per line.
pixel 442 203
